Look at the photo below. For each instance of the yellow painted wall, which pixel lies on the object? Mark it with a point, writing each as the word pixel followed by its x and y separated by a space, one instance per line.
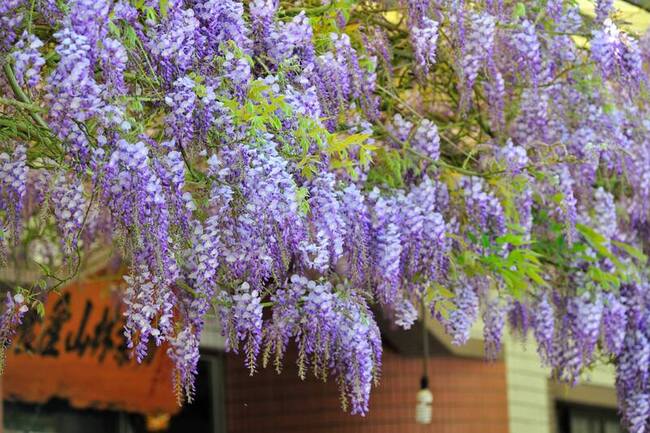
pixel 636 20
pixel 531 402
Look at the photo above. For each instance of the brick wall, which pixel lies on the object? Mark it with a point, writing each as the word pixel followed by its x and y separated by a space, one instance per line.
pixel 469 396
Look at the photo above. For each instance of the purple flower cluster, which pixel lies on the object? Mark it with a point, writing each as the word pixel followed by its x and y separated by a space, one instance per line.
pixel 72 92
pixel 28 60
pixel 603 9
pixel 614 323
pixel 113 58
pixel 405 314
pixel 616 53
pixel 493 326
pixel 70 207
pixel 13 187
pixel 483 207
pixel 135 196
pixel 333 330
pixel 326 222
pixel 172 43
pixel 386 248
pixel 149 310
pixel 460 320
pixel 15 308
pixel 184 352
pixel 247 318
pixel 544 328
pixel 529 50
pixel 585 313
pixel 426 140
pixel 514 158
pixel 11 17
pixel 425 39
pixel 476 49
pixel 424 235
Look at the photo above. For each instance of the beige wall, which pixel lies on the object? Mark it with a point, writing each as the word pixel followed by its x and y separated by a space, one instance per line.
pixel 532 394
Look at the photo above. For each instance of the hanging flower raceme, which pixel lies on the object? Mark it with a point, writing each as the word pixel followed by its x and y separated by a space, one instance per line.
pixel 13 187
pixel 424 44
pixel 15 308
pixel 616 54
pixel 70 208
pixel 28 59
pixel 484 208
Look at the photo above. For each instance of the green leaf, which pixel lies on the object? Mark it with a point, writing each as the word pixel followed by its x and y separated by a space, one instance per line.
pixel 445 292
pixel 519 11
pixel 40 309
pixel 130 37
pixel 512 239
pixel 631 251
pixel 164 7
pixel 592 236
pixel 302 194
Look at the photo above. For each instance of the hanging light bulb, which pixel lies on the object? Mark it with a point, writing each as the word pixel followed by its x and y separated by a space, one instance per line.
pixel 424 398
pixel 423 408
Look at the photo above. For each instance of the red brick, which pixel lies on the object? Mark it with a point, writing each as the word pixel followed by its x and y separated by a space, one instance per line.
pixel 469 397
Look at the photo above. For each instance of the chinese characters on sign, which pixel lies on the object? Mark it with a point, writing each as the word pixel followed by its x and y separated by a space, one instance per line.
pixel 78 352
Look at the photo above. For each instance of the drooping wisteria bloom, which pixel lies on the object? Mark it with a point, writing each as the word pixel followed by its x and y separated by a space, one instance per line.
pixel 426 141
pixel 460 321
pixel 173 42
pixel 635 411
pixel 72 91
pixel 424 235
pixel 520 318
pixel 15 308
pixel 528 47
pixel 483 207
pixel 222 21
pixel 585 314
pixel 292 40
pixel 356 242
pixel 405 314
pixel 400 128
pixel 89 18
pixel 616 53
pixel 326 222
pixel 477 48
pixel 544 328
pixel 566 209
pixel 70 209
pixel 149 310
pixel 603 9
pixel 614 323
pixel 184 352
pixel 496 94
pixel 247 317
pixel 13 187
pixel 11 17
pixel 182 101
pixel 493 325
pixel 113 58
pixel 28 60
pixel 425 40
pixel 386 247
pixel 513 157
pixel 359 349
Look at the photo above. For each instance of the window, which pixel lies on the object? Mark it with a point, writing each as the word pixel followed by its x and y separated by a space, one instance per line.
pixel 574 418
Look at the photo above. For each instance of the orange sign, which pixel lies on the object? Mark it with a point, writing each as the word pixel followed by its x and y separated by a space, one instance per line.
pixel 78 352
